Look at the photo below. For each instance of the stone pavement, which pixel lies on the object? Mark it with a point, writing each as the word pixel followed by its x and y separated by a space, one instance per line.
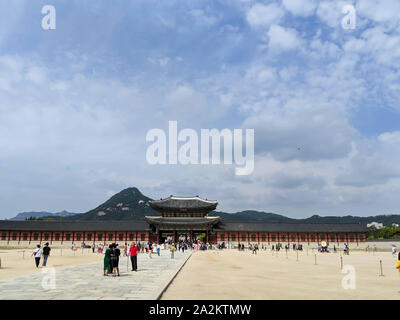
pixel 87 281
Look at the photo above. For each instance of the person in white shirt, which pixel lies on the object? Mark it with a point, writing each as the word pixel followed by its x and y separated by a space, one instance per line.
pixel 37 253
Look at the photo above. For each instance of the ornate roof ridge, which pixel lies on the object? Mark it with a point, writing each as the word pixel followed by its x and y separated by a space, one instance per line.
pixel 172 197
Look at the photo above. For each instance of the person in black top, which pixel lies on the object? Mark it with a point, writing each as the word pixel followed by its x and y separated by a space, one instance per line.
pixel 46 253
pixel 115 259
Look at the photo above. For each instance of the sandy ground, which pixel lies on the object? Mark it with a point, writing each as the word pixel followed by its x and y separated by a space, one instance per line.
pixel 15 263
pixel 231 274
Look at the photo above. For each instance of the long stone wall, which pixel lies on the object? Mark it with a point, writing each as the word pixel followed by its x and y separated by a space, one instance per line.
pixel 65 239
pixel 290 237
pixel 380 245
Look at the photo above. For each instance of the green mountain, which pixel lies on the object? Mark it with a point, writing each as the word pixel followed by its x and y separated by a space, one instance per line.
pixel 42 214
pixel 251 215
pixel 129 204
pixel 387 220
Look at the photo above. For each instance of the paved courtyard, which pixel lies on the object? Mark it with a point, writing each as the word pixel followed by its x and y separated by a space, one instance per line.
pixel 87 281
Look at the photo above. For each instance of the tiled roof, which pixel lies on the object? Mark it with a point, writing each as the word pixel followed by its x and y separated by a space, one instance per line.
pixel 182 202
pixel 182 221
pixel 33 225
pixel 10 225
pixel 290 227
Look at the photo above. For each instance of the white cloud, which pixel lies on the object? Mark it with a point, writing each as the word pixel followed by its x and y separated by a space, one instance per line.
pixel 260 15
pixel 202 18
pixel 374 162
pixel 300 7
pixel 288 132
pixel 330 12
pixel 380 10
pixel 282 39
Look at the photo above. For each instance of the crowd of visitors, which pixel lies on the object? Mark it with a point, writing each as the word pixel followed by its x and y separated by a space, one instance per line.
pixel 112 252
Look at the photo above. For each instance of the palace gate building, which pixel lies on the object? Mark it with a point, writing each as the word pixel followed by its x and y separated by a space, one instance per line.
pixel 180 219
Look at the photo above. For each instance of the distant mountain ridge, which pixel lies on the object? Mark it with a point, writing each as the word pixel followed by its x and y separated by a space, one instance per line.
pixel 387 220
pixel 131 204
pixel 42 214
pixel 252 215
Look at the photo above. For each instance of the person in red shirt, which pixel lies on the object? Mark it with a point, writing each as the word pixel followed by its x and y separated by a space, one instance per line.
pixel 133 250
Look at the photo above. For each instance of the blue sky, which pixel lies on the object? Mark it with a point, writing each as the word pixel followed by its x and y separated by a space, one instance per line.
pixel 76 102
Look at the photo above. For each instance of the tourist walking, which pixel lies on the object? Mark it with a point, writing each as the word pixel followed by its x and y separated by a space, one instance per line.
pixel 107 261
pixel 158 249
pixel 255 248
pixel 172 249
pixel 133 250
pixel 346 249
pixel 150 249
pixel 46 253
pixel 37 253
pixel 398 263
pixel 93 247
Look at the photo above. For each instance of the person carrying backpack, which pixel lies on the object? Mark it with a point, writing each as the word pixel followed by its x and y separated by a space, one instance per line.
pixel 46 253
pixel 37 253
